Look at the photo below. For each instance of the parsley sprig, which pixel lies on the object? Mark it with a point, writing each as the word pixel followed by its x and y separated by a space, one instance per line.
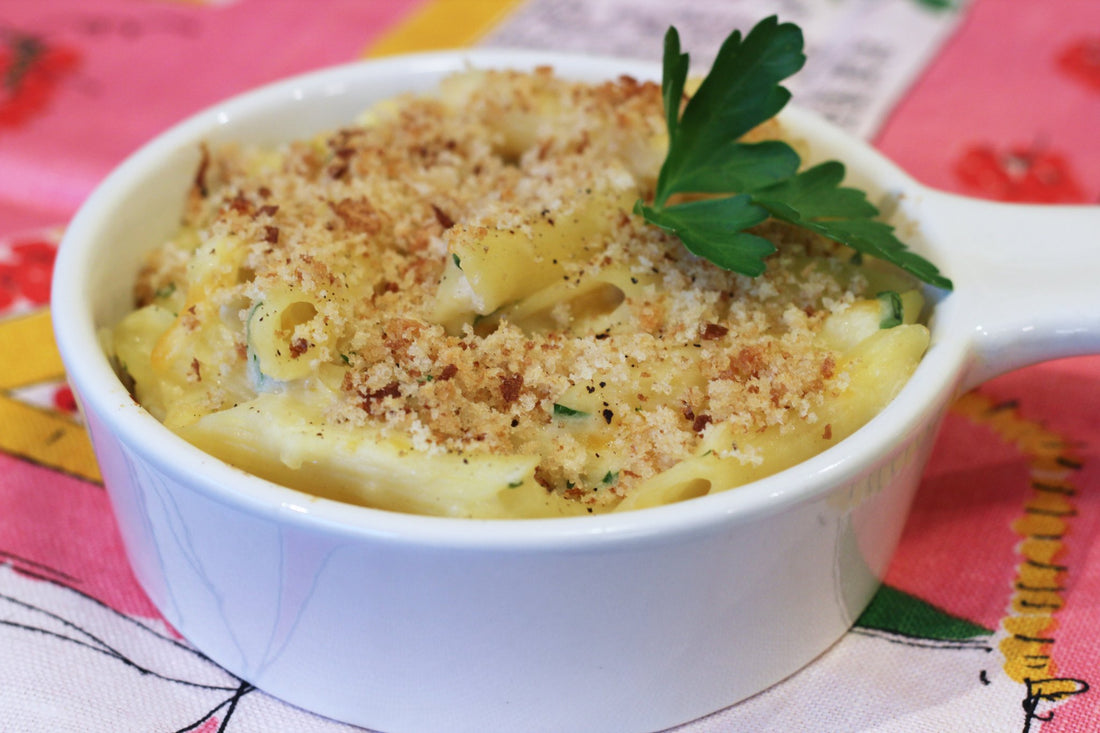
pixel 746 183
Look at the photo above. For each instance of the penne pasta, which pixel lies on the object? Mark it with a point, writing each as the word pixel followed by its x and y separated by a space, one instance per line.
pixel 450 308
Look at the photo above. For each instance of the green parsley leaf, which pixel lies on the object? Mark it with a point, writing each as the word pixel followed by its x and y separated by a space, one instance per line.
pixel 741 91
pixel 712 229
pixel 759 180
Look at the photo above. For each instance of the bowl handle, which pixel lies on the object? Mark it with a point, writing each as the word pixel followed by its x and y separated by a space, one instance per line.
pixel 1027 279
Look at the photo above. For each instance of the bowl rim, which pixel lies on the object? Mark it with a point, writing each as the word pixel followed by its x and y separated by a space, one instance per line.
pixel 102 393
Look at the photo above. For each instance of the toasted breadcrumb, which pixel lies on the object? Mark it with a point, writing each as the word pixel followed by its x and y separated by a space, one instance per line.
pixel 360 222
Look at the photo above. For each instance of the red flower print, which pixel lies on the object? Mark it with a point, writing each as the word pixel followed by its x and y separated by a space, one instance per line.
pixel 30 71
pixel 212 725
pixel 1081 61
pixel 1019 174
pixel 26 272
pixel 9 286
pixel 63 399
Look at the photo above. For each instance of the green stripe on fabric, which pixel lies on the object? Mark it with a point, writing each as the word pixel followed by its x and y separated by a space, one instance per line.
pixel 898 612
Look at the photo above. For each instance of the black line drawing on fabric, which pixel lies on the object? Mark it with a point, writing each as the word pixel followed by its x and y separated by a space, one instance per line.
pixel 100 668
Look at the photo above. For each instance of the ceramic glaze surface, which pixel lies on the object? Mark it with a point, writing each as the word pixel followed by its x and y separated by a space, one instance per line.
pixel 351 627
pixel 630 622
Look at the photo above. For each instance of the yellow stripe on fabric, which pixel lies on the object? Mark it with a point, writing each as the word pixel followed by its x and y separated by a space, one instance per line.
pixel 47 438
pixel 1030 627
pixel 440 24
pixel 29 353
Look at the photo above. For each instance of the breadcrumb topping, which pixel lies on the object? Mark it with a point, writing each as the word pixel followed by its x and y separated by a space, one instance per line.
pixel 642 349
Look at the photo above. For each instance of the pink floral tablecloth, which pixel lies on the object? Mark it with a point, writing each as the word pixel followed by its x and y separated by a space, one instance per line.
pixel 989 614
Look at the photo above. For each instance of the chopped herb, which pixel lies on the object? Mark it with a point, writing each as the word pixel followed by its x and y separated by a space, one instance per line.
pixel 563 411
pixel 255 373
pixel 457 260
pixel 754 181
pixel 344 358
pixel 515 484
pixel 165 291
pixel 892 309
pixel 610 477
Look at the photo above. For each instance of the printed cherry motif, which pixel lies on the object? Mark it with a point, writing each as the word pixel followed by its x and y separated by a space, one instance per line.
pixel 1020 174
pixel 26 272
pixel 30 71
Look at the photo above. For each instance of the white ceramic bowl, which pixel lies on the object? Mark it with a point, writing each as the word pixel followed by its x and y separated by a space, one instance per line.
pixel 631 622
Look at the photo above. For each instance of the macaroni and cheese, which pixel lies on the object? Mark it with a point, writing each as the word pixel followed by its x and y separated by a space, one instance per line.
pixel 448 308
